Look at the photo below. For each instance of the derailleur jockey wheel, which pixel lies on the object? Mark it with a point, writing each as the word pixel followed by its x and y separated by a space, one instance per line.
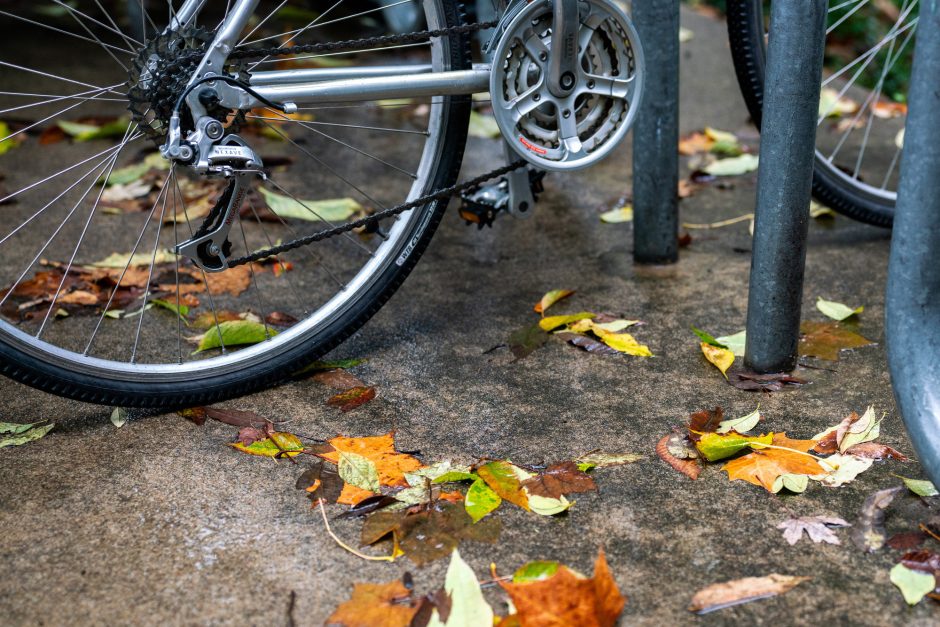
pixel 577 130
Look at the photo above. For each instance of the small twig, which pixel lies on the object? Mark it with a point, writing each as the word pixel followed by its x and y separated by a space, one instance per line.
pixel 290 609
pixel 930 533
pixel 718 225
pixel 760 445
pixel 371 558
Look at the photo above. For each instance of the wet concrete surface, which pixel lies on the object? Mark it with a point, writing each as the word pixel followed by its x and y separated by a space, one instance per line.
pixel 159 522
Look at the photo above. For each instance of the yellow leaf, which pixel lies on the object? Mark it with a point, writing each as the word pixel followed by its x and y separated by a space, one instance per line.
pixel 275 445
pixel 553 322
pixel 623 342
pixel 550 299
pixel 722 358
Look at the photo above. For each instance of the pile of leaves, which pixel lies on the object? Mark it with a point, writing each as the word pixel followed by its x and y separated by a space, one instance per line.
pixel 598 333
pixel 713 153
pixel 539 593
pixel 774 461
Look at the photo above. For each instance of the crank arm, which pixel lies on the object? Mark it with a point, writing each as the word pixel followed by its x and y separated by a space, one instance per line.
pixel 210 250
pixel 563 68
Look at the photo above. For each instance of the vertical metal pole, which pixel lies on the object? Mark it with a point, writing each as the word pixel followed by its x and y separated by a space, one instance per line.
pixel 913 296
pixel 784 183
pixel 656 135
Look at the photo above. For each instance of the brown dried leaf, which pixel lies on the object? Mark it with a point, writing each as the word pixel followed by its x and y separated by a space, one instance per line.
pixel 249 435
pixel 754 382
pixel 875 450
pixel 818 528
pixel 338 379
pixel 352 398
pixel 826 340
pixel 560 479
pixel 237 417
pixel 907 540
pixel 729 593
pixel 195 414
pixel 706 421
pixel 689 467
pixel 587 343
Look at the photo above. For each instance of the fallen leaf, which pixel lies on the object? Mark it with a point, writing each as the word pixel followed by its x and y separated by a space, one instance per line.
pixel 818 528
pixel 694 143
pixel 733 166
pixel 277 444
pixel 618 215
pixel 481 500
pixel 598 459
pixel 119 417
pixel 587 343
pixel 754 382
pixel 836 311
pixel 742 424
pixel 358 471
pixel 826 340
pixel 548 506
pixel 558 480
pixel 794 483
pixel 352 398
pixel 689 466
pixel 235 417
pixel 624 343
pixel 887 110
pixel 567 598
pixel 876 451
pixel 913 584
pixel 506 480
pixel 234 333
pixel 920 487
pixel 762 467
pixel 727 594
pixel 339 364
pixel 907 540
pixel 12 434
pixel 390 464
pixel 249 435
pixel 329 210
pixel 338 379
pixel 81 131
pixel 550 299
pixel 842 469
pixel 706 421
pixel 467 607
pixel 715 446
pixel 553 322
pixel 321 482
pixel 375 605
pixel 721 358
pixel 865 429
pixel 832 106
pixel 869 533
pixel 525 340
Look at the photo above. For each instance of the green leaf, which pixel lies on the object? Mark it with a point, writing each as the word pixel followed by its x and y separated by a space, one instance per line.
pixel 836 311
pixel 481 500
pixel 119 417
pixel 913 584
pixel 535 571
pixel 547 506
pixel 21 436
pixel 235 333
pixel 865 429
pixel 794 483
pixel 468 608
pixel 133 172
pixel 733 166
pixel 734 343
pixel 586 466
pixel 618 215
pixel 6 144
pixel 85 132
pixel 603 460
pixel 455 476
pixel 920 487
pixel 359 471
pixel 714 446
pixel 330 210
pixel 553 322
pixel 435 471
pixel 277 444
pixel 16 428
pixel 842 469
pixel 180 310
pixel 707 338
pixel 741 425
pixel 483 126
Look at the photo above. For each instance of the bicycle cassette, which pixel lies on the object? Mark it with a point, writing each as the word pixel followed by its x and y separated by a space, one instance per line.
pixel 581 128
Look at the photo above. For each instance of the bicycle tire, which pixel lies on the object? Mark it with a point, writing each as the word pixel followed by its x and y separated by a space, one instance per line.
pixel 746 35
pixel 44 372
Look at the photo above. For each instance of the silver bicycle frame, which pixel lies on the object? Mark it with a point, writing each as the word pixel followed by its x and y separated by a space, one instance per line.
pixel 321 85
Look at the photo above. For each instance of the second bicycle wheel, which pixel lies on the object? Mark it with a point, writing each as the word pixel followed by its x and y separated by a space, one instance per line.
pixel 94 304
pixel 860 135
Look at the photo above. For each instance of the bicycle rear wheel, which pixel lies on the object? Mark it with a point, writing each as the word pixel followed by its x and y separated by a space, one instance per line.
pixel 862 113
pixel 93 303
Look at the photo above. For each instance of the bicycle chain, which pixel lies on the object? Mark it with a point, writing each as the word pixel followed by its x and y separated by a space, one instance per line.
pixel 435 196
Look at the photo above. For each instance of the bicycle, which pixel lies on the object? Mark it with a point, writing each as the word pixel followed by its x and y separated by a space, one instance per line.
pixel 285 260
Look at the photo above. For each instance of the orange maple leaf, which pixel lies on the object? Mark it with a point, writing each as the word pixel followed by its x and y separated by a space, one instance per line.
pixel 804 446
pixel 568 599
pixel 380 450
pixel 762 467
pixel 375 605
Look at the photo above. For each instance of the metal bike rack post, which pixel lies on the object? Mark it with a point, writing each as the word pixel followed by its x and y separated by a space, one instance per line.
pixel 656 135
pixel 912 312
pixel 784 182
